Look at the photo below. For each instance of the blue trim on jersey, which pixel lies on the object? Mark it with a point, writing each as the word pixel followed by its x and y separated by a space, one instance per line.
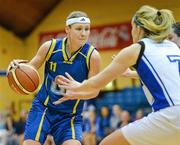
pixel 160 80
pixel 153 86
pixel 175 58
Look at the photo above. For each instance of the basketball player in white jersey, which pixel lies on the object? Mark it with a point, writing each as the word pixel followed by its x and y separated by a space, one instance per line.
pixel 174 36
pixel 157 62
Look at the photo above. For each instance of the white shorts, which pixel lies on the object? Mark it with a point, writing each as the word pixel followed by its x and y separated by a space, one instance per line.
pixel 158 128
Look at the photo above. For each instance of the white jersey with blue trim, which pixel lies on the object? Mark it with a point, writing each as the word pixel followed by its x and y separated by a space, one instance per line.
pixel 159 71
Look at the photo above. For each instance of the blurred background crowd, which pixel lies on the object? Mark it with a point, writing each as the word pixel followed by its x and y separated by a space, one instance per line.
pixel 101 116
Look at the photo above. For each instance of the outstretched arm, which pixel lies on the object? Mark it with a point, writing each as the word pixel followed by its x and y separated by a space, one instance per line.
pixel 125 58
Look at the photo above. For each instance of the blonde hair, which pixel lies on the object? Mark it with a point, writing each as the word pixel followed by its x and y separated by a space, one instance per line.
pixel 77 14
pixel 157 24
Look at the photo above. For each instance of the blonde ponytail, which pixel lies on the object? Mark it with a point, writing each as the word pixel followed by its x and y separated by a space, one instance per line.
pixel 156 23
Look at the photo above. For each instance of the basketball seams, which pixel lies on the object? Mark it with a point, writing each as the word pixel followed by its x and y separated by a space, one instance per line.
pixel 18 83
pixel 13 84
pixel 23 79
pixel 33 69
pixel 36 73
pixel 29 77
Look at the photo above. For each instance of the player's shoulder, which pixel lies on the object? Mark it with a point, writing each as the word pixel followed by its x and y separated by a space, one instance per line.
pixel 95 56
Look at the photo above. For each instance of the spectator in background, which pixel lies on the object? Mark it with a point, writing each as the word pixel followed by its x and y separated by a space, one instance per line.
pixel 19 126
pixel 10 126
pixel 139 114
pixel 89 128
pixel 125 118
pixel 175 34
pixel 115 118
pixel 3 131
pixel 103 123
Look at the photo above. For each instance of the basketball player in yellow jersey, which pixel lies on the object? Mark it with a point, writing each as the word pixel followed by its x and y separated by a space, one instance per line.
pixel 73 55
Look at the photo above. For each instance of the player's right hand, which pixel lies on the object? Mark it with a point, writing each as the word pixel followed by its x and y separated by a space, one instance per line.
pixel 15 63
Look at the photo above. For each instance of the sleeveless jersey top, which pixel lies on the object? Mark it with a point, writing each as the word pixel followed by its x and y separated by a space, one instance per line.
pixel 57 63
pixel 158 67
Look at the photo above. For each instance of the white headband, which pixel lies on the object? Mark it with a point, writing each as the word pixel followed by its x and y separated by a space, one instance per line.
pixel 83 20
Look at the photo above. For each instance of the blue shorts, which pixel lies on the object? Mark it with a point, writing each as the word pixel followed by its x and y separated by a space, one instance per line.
pixel 43 121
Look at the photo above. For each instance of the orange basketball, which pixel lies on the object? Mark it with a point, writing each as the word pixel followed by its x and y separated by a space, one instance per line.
pixel 23 79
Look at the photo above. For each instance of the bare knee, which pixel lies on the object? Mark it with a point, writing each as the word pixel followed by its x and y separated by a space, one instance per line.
pixel 30 142
pixel 72 142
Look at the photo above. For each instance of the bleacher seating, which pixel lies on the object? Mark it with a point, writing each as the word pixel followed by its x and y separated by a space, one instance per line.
pixel 129 98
